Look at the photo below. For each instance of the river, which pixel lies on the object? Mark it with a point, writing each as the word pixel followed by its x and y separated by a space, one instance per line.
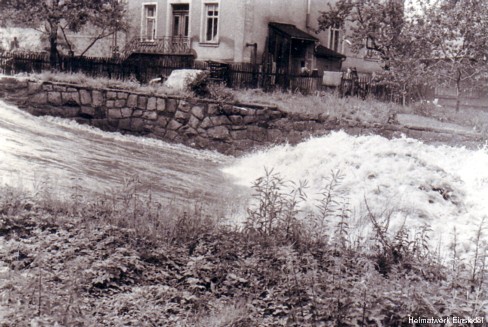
pixel 442 187
pixel 36 151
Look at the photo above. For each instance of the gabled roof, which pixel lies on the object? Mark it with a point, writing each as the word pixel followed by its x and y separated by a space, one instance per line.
pixel 292 31
pixel 324 52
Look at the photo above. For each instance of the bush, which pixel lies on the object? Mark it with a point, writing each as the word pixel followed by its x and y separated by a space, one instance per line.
pixel 202 86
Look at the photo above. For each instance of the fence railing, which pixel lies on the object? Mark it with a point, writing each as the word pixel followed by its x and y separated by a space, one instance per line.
pixel 146 67
pixel 163 45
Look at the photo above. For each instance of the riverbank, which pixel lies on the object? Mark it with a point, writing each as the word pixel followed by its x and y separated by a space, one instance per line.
pixel 230 127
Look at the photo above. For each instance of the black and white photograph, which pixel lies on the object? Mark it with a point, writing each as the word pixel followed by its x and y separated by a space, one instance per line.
pixel 243 163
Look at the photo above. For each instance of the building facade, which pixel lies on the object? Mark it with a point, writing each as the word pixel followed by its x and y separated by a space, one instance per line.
pixel 278 33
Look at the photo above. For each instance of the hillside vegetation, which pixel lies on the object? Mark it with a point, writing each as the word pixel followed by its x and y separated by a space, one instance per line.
pixel 125 260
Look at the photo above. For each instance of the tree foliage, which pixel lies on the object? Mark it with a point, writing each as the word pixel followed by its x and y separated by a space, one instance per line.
pixel 434 42
pixel 453 35
pixel 55 17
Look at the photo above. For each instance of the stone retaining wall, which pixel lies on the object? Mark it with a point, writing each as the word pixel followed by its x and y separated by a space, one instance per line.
pixel 227 128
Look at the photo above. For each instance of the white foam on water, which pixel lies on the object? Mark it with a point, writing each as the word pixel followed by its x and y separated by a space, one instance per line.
pixel 441 186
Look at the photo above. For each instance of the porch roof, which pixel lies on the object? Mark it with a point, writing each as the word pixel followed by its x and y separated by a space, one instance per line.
pixel 324 52
pixel 292 31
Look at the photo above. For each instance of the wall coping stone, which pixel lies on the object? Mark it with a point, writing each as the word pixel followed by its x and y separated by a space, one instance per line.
pixel 176 97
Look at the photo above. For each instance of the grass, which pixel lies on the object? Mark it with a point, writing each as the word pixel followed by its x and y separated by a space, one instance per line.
pixel 119 261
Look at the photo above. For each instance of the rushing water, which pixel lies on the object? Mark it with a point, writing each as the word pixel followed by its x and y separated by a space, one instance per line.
pixel 417 184
pixel 443 187
pixel 64 154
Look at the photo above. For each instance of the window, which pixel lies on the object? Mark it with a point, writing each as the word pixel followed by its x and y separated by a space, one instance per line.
pixel 335 39
pixel 211 22
pixel 148 30
pixel 181 20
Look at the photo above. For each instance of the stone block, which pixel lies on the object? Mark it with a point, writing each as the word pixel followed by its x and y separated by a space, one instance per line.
pixel 188 131
pixel 150 115
pixel 159 131
pixel 151 103
pixel 275 114
pixel 71 89
pixel 137 113
pixel 218 133
pixel 86 110
pixel 85 97
pixel 173 125
pixel 137 125
pixel 114 113
pixel 59 88
pixel 214 109
pixel 126 112
pixel 182 117
pixel 171 135
pixel 162 121
pixel 198 111
pixel 97 98
pixel 124 124
pixel 202 132
pixel 69 111
pixel 206 123
pixel 248 111
pixel 34 87
pixel 47 87
pixel 39 98
pixel 54 98
pixel 171 105
pixel 100 112
pixel 250 119
pixel 71 98
pixel 239 135
pixel 161 104
pixel 184 106
pixel 256 133
pixel 193 122
pixel 201 142
pixel 141 102
pixel 220 120
pixel 119 103
pixel 111 95
pixel 122 95
pixel 110 104
pixel 283 124
pixel 275 136
pixel 132 101
pixel 236 119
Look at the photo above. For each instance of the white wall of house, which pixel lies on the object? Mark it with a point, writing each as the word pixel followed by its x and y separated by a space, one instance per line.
pixel 241 23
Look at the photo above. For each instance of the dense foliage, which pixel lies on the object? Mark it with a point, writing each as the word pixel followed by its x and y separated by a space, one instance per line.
pixel 123 260
pixel 55 17
pixel 424 43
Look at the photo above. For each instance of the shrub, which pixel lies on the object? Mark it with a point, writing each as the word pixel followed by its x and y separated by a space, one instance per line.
pixel 198 85
pixel 276 210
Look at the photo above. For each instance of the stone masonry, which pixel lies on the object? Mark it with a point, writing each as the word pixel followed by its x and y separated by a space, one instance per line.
pixel 229 128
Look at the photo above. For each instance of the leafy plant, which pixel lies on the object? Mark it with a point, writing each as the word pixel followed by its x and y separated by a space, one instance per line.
pixel 277 208
pixel 199 84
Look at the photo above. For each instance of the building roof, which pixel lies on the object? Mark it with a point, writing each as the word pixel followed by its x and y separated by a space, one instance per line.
pixel 324 52
pixel 292 31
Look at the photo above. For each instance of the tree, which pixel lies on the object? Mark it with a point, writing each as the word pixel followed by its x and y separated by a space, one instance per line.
pixel 55 17
pixel 377 23
pixel 441 42
pixel 382 27
pixel 455 36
